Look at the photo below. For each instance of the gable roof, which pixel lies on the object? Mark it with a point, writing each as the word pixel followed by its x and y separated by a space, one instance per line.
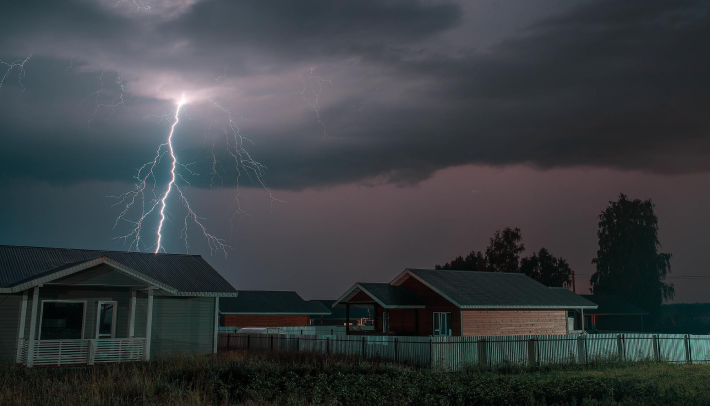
pixel 184 275
pixel 612 305
pixel 338 313
pixel 495 290
pixel 386 295
pixel 270 302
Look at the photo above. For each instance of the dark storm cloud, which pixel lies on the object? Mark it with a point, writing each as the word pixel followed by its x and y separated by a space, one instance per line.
pixel 610 84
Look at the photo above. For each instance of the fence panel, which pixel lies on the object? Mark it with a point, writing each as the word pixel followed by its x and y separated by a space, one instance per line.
pixel 672 347
pixel 602 347
pixel 510 350
pixel 455 353
pixel 700 349
pixel 557 349
pixel 638 347
pixel 458 353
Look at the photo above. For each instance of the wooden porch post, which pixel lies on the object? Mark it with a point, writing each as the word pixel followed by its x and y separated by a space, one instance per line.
pixel 21 333
pixel 149 324
pixel 132 315
pixel 374 316
pixel 216 324
pixel 347 318
pixel 33 326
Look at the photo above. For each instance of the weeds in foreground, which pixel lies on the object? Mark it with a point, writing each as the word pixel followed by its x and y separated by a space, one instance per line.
pixel 313 379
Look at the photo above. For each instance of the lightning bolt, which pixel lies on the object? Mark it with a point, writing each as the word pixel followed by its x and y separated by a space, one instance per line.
pixel 112 104
pixel 144 176
pixel 139 4
pixel 315 83
pixel 10 66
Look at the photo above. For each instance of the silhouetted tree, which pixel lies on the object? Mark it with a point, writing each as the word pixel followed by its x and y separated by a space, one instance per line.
pixel 546 269
pixel 503 252
pixel 474 261
pixel 628 263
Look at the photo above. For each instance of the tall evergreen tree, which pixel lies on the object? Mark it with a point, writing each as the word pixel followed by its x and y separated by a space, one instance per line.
pixel 475 261
pixel 628 263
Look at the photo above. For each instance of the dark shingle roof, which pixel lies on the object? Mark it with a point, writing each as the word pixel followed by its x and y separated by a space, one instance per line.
pixel 270 302
pixel 469 289
pixel 609 304
pixel 388 295
pixel 337 313
pixel 184 273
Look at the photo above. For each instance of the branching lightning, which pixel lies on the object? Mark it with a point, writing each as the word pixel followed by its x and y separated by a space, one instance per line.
pixel 138 3
pixel 315 84
pixel 112 103
pixel 10 66
pixel 149 202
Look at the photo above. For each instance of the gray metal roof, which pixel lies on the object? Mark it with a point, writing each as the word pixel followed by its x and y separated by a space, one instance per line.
pixel 183 273
pixel 392 296
pixel 270 302
pixel 612 305
pixel 481 290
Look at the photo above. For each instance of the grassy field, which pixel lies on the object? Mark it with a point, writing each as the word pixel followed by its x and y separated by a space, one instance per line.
pixel 305 379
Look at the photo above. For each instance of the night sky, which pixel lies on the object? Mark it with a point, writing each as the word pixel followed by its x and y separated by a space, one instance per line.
pixel 439 122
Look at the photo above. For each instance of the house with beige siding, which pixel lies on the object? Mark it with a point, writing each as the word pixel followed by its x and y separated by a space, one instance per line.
pixel 427 302
pixel 70 306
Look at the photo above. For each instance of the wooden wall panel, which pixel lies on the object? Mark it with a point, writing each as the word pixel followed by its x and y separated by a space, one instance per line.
pixel 434 303
pixel 401 320
pixel 265 320
pixel 514 322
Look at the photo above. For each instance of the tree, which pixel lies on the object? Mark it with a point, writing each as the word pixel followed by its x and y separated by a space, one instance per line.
pixel 546 269
pixel 628 263
pixel 503 252
pixel 475 261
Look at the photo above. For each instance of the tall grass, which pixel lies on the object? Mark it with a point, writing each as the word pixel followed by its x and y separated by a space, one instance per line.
pixel 306 378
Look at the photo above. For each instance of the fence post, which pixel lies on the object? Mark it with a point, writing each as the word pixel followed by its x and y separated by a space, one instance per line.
pixel 331 331
pixel 532 353
pixel 396 349
pixel 483 353
pixel 688 355
pixel 363 347
pixel 92 352
pixel 582 350
pixel 248 341
pixel 431 352
pixel 620 346
pixel 327 345
pixel 656 348
pixel 298 343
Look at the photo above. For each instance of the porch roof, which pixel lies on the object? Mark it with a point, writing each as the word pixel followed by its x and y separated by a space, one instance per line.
pixel 384 294
pixel 183 275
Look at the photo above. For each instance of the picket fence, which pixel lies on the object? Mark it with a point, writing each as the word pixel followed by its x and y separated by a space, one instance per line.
pixel 457 353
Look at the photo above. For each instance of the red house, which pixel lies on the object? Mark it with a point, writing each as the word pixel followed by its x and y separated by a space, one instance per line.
pixel 464 303
pixel 260 308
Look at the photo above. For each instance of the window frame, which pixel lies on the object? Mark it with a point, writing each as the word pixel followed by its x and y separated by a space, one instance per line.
pixel 113 318
pixel 448 331
pixel 41 318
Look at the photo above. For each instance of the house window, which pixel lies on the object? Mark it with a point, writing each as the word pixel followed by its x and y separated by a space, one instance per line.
pixel 106 320
pixel 385 321
pixel 442 324
pixel 61 320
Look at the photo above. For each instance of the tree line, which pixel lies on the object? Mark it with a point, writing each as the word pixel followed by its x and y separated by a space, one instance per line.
pixel 628 262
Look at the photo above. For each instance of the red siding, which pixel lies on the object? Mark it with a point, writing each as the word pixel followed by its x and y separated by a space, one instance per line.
pixel 361 297
pixel 265 320
pixel 401 320
pixel 514 322
pixel 434 303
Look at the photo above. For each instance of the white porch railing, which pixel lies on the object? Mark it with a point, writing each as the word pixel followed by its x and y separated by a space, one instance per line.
pixel 68 352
